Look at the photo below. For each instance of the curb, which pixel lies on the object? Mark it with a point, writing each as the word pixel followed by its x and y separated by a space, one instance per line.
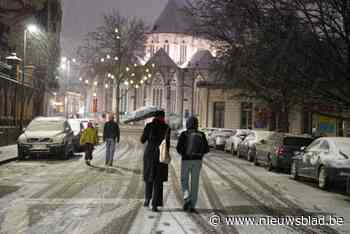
pixel 8 160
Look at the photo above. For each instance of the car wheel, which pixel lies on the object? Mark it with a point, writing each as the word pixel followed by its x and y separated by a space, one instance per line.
pixel 249 156
pixel 21 156
pixel 323 178
pixel 269 164
pixel 256 162
pixel 232 150
pixel 294 170
pixel 238 153
pixel 66 153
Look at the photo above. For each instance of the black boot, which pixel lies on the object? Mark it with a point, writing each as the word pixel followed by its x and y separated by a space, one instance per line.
pixel 146 203
pixel 154 209
pixel 187 205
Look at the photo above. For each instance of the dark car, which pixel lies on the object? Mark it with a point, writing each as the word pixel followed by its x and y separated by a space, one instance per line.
pixel 277 151
pixel 246 147
pixel 326 160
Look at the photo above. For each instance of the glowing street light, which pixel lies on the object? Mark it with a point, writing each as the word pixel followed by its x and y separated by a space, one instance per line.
pixel 127 69
pixel 136 86
pixel 95 94
pixel 135 65
pixel 153 65
pixel 116 58
pixel 106 86
pixel 80 79
pixel 112 77
pixel 86 81
pixel 149 75
pixel 109 75
pixel 147 70
pixel 108 56
pixel 95 83
pixel 132 74
pixel 141 81
pixel 116 30
pixel 126 83
pixel 118 37
pixel 33 28
pixel 131 81
pixel 102 60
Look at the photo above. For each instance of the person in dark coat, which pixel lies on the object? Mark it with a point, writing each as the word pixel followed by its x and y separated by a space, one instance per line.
pixel 154 172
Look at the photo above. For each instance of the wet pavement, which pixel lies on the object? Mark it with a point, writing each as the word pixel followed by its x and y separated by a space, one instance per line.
pixel 52 196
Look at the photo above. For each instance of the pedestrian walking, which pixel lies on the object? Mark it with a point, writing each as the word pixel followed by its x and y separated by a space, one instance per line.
pixel 88 140
pixel 192 145
pixel 111 135
pixel 154 171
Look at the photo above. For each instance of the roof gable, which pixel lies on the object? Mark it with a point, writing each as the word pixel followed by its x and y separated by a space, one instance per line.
pixel 172 19
pixel 162 59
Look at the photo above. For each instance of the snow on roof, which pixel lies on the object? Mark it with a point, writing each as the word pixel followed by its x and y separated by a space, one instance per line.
pixel 173 19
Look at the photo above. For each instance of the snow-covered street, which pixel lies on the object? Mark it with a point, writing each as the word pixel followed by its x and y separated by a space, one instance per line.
pixel 54 196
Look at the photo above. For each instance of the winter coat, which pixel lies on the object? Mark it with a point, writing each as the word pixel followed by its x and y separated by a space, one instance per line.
pixel 182 144
pixel 111 130
pixel 154 133
pixel 89 136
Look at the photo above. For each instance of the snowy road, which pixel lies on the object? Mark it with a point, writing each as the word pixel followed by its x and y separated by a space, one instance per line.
pixel 48 196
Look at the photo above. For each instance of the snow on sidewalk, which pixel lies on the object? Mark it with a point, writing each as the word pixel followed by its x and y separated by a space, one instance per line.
pixel 7 153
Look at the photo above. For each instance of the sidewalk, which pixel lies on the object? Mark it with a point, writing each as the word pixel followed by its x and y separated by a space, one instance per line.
pixel 8 153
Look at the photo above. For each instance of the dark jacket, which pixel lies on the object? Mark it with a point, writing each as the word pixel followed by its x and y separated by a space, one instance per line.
pixel 111 131
pixel 154 133
pixel 191 125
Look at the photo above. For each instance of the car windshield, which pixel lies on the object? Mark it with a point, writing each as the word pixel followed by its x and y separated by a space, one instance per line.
pixel 297 141
pixel 344 147
pixel 45 125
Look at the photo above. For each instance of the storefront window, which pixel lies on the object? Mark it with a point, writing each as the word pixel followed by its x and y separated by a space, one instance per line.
pixel 219 115
pixel 246 115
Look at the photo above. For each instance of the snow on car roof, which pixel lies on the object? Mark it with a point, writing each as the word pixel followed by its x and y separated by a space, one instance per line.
pixel 50 119
pixel 337 139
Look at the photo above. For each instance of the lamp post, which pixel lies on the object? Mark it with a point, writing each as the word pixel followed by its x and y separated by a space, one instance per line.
pixel 32 29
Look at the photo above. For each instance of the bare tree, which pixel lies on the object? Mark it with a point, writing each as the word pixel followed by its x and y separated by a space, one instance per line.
pixel 114 48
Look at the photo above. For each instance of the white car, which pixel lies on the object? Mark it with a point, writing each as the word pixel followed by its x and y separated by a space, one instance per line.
pixel 46 135
pixel 218 138
pixel 233 142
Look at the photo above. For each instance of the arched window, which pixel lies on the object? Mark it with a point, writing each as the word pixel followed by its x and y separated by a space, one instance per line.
pixel 166 46
pixel 183 52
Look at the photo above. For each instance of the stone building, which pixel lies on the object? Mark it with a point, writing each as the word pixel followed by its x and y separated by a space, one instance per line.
pixel 184 84
pixel 38 79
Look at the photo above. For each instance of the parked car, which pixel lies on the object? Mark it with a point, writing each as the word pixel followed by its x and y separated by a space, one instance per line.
pixel 326 160
pixel 77 128
pixel 277 150
pixel 218 132
pixel 232 142
pixel 246 147
pixel 46 135
pixel 221 137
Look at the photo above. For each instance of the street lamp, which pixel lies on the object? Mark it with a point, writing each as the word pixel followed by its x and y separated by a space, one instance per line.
pixel 31 29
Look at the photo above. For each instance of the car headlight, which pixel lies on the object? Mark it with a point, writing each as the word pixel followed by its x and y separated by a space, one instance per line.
pixel 22 139
pixel 58 140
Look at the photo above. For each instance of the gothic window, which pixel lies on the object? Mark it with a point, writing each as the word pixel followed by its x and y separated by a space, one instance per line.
pixel 152 49
pixel 166 47
pixel 183 52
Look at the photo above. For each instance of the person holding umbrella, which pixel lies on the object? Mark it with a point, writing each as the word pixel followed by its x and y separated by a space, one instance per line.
pixel 154 171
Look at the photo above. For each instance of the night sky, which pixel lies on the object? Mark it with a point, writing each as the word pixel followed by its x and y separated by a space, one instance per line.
pixel 82 16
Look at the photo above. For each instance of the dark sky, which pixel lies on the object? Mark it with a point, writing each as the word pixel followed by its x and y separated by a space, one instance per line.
pixel 82 16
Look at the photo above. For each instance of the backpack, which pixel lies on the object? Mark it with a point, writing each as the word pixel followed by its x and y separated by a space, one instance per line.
pixel 195 144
